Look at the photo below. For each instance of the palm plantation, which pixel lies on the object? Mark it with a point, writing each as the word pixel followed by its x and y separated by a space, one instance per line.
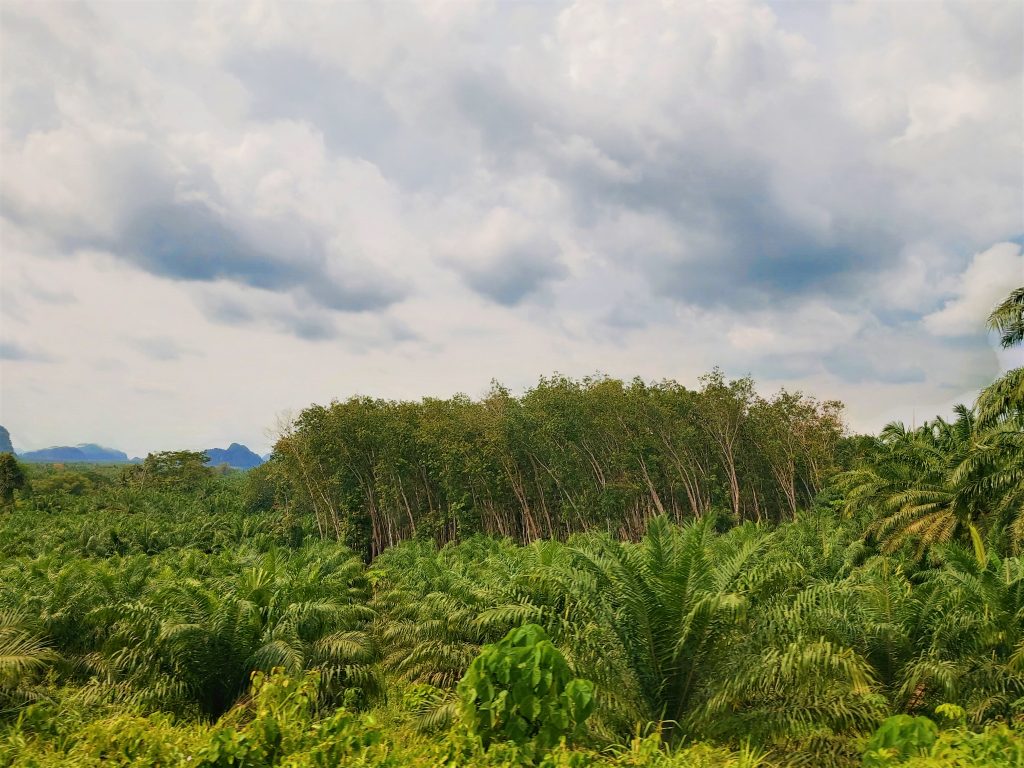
pixel 731 579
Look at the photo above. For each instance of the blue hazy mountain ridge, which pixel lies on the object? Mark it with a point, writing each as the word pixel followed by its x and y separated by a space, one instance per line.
pixel 84 452
pixel 235 455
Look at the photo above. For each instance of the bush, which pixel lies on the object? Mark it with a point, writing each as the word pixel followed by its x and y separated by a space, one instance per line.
pixel 521 690
pixel 903 741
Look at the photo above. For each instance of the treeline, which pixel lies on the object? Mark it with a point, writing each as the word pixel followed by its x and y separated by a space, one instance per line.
pixel 567 456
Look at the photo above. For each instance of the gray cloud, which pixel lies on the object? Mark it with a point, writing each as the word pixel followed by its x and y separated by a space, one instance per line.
pixel 226 311
pixel 13 351
pixel 354 117
pixel 776 367
pixel 736 237
pixel 627 317
pixel 191 242
pixel 50 296
pixel 310 323
pixel 857 368
pixel 506 120
pixel 769 188
pixel 109 174
pixel 311 327
pixel 161 348
pixel 516 273
pixel 306 323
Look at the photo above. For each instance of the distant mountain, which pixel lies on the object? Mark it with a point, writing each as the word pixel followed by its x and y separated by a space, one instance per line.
pixel 84 452
pixel 234 455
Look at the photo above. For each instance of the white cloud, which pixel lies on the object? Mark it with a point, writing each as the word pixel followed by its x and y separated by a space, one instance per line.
pixel 992 274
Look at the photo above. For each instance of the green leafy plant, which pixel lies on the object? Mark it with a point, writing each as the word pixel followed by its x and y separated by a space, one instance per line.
pixel 522 690
pixel 898 738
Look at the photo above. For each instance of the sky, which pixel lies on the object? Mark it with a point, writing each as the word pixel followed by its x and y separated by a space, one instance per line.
pixel 214 215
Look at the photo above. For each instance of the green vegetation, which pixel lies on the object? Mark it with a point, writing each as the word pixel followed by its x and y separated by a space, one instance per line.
pixel 521 690
pixel 592 574
pixel 569 456
pixel 12 478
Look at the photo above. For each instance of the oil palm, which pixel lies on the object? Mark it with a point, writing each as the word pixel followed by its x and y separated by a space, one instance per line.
pixel 973 613
pixel 24 653
pixel 428 603
pixel 1007 318
pixel 189 629
pixel 675 601
pixel 912 486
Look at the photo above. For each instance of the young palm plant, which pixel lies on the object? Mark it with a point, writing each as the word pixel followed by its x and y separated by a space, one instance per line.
pixel 973 614
pixel 676 602
pixel 24 654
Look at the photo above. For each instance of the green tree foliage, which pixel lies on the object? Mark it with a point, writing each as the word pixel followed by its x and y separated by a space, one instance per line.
pixel 916 742
pixel 281 723
pixel 186 631
pixel 971 611
pixel 791 637
pixel 12 478
pixel 911 483
pixel 567 456
pixel 182 471
pixel 24 654
pixel 64 483
pixel 929 485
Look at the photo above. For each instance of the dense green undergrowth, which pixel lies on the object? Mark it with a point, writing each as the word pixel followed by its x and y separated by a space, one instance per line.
pixel 792 642
pixel 280 724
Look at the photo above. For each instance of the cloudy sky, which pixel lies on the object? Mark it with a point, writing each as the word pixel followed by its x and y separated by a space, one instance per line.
pixel 214 214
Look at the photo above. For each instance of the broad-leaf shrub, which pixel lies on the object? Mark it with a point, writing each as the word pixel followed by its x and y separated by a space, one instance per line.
pixel 281 725
pixel 284 725
pixel 521 689
pixel 903 741
pixel 900 737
